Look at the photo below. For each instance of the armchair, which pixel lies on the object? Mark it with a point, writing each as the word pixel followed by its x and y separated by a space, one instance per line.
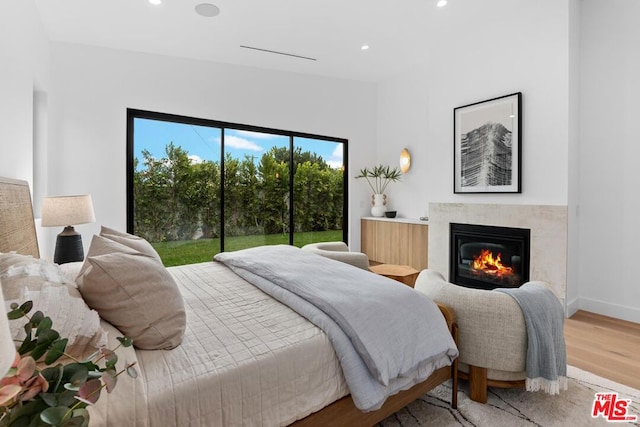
pixel 340 252
pixel 492 333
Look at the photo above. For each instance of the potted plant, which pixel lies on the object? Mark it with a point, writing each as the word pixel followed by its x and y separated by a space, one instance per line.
pixel 378 178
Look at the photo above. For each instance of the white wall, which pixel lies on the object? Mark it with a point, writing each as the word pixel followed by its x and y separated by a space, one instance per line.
pixel 95 86
pixel 24 69
pixel 609 152
pixel 577 65
pixel 573 244
pixel 24 82
pixel 500 47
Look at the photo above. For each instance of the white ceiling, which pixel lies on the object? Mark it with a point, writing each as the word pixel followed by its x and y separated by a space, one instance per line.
pixel 332 31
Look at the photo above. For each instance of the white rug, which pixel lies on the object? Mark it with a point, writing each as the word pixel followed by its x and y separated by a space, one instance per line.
pixel 516 407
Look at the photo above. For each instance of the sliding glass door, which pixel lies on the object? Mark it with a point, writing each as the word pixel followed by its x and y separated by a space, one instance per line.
pixel 318 191
pixel 175 188
pixel 256 189
pixel 196 187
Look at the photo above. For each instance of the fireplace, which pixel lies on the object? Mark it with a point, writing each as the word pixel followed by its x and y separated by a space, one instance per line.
pixel 488 257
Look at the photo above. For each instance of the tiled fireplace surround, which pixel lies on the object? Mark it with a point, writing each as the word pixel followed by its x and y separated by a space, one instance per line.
pixel 548 225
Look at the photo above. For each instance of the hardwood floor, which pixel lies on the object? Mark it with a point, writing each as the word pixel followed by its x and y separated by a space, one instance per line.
pixel 604 346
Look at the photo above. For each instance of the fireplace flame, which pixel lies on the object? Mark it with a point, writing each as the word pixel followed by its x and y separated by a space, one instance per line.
pixel 486 263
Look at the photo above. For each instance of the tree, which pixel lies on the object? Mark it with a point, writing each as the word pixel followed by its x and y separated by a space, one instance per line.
pixel 273 193
pixel 151 216
pixel 206 196
pixel 177 199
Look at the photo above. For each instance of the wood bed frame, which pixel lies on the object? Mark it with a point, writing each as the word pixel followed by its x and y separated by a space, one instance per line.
pixel 18 233
pixel 343 412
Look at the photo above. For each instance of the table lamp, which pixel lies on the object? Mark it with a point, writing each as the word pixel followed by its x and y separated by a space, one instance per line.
pixel 67 211
pixel 7 347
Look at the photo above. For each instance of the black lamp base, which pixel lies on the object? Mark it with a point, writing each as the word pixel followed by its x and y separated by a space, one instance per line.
pixel 68 246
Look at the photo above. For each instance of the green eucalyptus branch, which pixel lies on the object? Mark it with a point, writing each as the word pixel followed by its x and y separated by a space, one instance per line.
pixel 94 394
pixel 56 395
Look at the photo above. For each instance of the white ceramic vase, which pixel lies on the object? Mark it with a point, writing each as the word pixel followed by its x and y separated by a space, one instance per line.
pixel 379 205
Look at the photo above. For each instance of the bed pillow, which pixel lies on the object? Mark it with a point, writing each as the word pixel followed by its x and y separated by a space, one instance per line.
pixel 134 242
pixel 20 271
pixel 26 278
pixel 101 246
pixel 70 316
pixel 136 294
pixel 71 269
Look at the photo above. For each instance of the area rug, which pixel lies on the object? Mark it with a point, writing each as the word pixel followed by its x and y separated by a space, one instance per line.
pixel 517 407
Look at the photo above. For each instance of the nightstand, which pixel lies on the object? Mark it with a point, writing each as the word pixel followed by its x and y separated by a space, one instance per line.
pixel 401 273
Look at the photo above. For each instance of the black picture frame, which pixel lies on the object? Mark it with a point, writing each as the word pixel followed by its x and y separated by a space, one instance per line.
pixel 488 146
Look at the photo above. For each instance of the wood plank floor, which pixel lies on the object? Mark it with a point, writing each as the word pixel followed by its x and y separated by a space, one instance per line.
pixel 604 346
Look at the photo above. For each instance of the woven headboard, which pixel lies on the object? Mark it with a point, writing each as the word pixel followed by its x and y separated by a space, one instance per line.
pixel 17 227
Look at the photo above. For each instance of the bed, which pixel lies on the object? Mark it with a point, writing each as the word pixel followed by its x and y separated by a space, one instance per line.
pixel 244 357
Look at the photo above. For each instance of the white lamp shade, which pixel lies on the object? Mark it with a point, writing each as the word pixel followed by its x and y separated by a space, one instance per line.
pixel 67 210
pixel 7 347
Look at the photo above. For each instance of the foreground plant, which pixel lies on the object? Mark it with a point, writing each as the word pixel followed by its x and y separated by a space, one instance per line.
pixel 33 395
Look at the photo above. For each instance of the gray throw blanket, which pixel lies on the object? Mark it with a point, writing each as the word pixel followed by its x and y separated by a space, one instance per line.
pixel 387 336
pixel 546 363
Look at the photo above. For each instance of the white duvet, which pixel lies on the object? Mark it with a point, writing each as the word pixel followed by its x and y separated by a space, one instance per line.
pixel 246 359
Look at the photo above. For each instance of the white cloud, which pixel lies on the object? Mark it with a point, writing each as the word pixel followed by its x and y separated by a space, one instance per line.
pixel 337 152
pixel 257 135
pixel 336 160
pixel 195 159
pixel 241 143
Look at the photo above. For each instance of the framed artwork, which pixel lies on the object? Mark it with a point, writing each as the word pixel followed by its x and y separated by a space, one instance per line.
pixel 487 146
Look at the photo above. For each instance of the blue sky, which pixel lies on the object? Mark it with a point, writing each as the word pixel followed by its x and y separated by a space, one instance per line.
pixel 203 143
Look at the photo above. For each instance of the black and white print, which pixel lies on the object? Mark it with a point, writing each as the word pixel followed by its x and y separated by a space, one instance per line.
pixel 487 146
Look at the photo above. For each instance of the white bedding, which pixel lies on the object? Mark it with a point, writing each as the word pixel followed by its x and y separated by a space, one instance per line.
pixel 381 350
pixel 246 359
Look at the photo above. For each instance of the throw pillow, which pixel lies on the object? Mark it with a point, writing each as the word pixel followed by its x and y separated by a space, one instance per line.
pixel 101 246
pixel 26 278
pixel 136 294
pixel 23 271
pixel 71 269
pixel 130 240
pixel 71 318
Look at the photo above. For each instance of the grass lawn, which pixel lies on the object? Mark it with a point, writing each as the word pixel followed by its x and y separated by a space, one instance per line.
pixel 193 251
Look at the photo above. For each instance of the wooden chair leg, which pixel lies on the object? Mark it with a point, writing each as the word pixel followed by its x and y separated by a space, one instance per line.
pixel 478 384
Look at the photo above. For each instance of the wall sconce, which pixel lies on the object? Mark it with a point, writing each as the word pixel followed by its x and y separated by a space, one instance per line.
pixel 67 211
pixel 405 161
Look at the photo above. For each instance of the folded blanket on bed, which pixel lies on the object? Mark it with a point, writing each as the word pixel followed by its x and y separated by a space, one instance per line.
pixel 546 364
pixel 387 336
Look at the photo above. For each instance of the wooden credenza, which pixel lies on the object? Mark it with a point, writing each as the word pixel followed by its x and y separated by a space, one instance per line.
pixel 402 241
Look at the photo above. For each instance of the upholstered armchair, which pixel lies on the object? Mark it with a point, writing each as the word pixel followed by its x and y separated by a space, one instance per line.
pixel 340 252
pixel 492 337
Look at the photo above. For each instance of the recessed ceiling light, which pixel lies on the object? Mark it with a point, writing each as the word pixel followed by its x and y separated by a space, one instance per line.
pixel 442 3
pixel 364 47
pixel 207 10
pixel 155 2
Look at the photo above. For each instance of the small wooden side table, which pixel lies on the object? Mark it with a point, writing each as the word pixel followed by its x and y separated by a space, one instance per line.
pixel 401 273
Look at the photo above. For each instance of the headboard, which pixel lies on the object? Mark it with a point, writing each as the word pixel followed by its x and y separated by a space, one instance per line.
pixel 17 227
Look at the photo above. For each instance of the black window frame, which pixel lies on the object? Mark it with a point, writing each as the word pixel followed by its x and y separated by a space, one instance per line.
pixel 133 114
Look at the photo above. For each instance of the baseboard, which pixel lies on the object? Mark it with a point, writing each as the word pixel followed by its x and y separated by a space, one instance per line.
pixel 572 307
pixel 617 311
